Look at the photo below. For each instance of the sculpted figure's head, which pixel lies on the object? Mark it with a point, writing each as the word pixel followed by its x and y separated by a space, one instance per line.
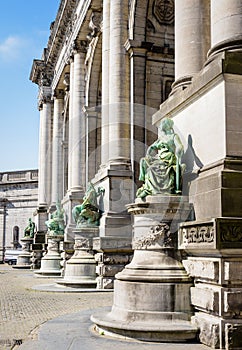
pixel 166 124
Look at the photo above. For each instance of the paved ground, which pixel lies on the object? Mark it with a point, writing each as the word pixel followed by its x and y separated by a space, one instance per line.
pixel 39 320
pixel 23 309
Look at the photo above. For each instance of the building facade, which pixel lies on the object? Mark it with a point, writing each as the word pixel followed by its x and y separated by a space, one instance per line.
pixel 106 68
pixel 18 201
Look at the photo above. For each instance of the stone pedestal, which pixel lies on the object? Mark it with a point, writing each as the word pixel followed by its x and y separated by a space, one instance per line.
pixel 80 270
pixel 152 293
pixel 113 253
pixel 37 251
pixel 215 261
pixel 24 259
pixel 50 263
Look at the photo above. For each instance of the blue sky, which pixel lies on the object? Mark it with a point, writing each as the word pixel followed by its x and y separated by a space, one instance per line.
pixel 24 32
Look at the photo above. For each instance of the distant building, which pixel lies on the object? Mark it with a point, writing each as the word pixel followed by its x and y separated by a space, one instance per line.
pixel 18 200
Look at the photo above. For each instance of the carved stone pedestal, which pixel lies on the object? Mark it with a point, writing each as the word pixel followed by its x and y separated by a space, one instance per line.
pixel 152 293
pixel 215 261
pixel 80 270
pixel 113 254
pixel 24 259
pixel 50 263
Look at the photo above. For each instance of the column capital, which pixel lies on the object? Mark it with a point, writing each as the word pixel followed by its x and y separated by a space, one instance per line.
pixel 45 96
pixel 78 46
pixel 59 94
pixel 137 48
pixel 91 112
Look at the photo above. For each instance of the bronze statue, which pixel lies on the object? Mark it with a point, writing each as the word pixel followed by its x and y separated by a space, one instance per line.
pixel 56 223
pixel 161 169
pixel 29 230
pixel 88 213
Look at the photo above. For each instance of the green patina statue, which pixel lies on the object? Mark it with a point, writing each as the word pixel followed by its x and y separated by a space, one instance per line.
pixel 88 213
pixel 161 169
pixel 29 230
pixel 56 223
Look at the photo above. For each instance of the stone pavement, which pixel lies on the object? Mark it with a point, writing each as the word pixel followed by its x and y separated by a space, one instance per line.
pixel 41 320
pixel 23 309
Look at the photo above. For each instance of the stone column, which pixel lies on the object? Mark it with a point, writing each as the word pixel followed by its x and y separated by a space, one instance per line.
pixel 115 176
pixel 45 163
pixel 192 39
pixel 57 156
pixel 226 25
pixel 105 81
pixel 138 123
pixel 70 140
pixel 45 149
pixel 76 144
pixel 77 121
pixel 119 133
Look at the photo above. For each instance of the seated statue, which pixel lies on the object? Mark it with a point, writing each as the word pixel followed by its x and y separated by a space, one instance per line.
pixel 88 213
pixel 29 230
pixel 161 169
pixel 56 223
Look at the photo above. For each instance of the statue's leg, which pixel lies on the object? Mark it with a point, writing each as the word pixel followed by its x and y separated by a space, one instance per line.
pixel 143 169
pixel 76 213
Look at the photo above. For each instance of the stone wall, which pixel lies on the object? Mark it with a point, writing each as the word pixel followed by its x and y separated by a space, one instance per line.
pixel 20 188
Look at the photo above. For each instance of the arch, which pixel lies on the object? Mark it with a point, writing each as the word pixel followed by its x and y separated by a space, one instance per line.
pixel 93 103
pixel 94 73
pixel 137 28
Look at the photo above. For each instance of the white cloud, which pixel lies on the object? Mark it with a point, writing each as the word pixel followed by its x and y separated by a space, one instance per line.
pixel 10 48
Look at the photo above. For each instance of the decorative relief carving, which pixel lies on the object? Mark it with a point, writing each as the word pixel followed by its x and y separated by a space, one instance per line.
pixel 198 234
pixel 163 10
pixel 220 233
pixel 53 245
pixel 95 24
pixel 158 234
pixel 230 232
pixel 82 243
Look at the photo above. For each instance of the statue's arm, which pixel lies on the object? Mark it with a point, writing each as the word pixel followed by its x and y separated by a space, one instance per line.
pixel 178 146
pixel 151 151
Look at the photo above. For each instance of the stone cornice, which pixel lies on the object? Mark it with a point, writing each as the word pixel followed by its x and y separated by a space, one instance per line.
pixel 70 29
pixel 69 40
pixel 37 68
pixel 41 74
pixel 62 25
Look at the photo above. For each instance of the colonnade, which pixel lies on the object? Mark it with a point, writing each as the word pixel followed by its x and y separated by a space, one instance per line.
pixel 202 29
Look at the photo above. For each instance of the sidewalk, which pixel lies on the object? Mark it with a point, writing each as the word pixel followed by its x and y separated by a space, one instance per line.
pixel 23 309
pixel 75 332
pixel 34 319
